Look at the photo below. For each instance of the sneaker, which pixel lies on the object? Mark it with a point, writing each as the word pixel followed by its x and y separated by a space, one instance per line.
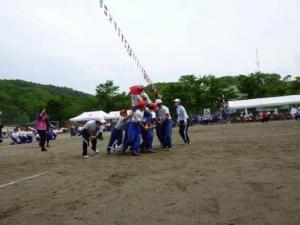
pixel 169 148
pixel 96 151
pixel 85 156
pixel 108 151
pixel 44 150
pixel 151 151
pixel 135 154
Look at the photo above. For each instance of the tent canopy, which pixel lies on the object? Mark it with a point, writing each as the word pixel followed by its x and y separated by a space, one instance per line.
pixel 116 114
pixel 86 116
pixel 264 102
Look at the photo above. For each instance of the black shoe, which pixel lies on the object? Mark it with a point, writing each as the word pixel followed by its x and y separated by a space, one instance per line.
pixel 151 151
pixel 44 150
pixel 135 154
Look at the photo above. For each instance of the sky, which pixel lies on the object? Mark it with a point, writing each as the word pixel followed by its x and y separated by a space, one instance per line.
pixel 71 43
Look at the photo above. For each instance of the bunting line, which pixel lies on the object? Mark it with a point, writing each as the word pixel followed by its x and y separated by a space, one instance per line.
pixel 128 48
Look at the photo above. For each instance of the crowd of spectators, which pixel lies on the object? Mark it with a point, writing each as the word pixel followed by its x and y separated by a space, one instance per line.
pixel 24 135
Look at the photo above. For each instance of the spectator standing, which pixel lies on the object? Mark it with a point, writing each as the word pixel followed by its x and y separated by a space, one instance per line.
pixel 183 121
pixel 42 124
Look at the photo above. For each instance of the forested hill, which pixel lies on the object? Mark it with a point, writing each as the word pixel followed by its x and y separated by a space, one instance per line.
pixel 20 100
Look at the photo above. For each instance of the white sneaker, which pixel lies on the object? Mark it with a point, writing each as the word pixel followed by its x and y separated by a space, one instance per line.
pixel 86 157
pixel 117 148
pixel 96 151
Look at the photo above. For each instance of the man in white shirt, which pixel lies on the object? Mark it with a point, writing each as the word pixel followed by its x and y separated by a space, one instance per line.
pixel 166 123
pixel 182 121
pixel 89 133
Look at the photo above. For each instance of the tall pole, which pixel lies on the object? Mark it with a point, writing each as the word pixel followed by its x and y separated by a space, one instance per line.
pixel 257 61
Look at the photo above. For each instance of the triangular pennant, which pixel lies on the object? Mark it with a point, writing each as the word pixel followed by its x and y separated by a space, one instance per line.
pixel 105 10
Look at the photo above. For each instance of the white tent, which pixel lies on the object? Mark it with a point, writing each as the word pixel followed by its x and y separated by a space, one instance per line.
pixel 264 102
pixel 96 115
pixel 116 114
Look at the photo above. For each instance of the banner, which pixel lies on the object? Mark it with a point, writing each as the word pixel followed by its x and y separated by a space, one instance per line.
pixel 128 48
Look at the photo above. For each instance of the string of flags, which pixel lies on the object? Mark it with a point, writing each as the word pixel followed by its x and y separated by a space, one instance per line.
pixel 128 48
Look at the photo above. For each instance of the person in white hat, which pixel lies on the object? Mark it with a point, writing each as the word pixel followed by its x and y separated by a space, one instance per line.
pixel 166 125
pixel 89 133
pixel 182 121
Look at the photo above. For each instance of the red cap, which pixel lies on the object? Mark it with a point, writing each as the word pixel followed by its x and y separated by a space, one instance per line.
pixel 153 106
pixel 142 104
pixel 136 90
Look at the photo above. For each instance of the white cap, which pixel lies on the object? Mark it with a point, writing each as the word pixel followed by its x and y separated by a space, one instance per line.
pixel 158 101
pixel 177 100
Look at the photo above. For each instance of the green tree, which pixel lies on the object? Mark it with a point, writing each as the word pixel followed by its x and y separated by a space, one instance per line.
pixel 57 107
pixel 109 98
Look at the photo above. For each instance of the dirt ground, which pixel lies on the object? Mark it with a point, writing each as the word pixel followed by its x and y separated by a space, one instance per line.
pixel 231 174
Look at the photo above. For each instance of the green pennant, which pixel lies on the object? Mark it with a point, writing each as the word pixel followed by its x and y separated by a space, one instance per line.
pixel 101 3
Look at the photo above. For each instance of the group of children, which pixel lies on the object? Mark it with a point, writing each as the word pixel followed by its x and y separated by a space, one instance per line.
pixel 26 135
pixel 21 136
pixel 135 130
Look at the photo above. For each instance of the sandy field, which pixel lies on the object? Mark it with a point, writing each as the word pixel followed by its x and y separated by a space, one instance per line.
pixel 231 174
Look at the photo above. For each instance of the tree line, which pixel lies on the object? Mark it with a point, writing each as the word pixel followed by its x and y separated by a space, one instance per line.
pixel 199 92
pixel 20 100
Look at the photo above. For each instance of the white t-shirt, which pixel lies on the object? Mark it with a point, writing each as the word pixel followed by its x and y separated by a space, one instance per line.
pixel 138 116
pixel 15 135
pixel 153 114
pixel 121 123
pixel 164 113
pixel 91 126
pixel 29 134
pixel 181 112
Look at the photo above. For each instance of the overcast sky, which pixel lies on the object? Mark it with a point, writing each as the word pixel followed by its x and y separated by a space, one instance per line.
pixel 71 43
